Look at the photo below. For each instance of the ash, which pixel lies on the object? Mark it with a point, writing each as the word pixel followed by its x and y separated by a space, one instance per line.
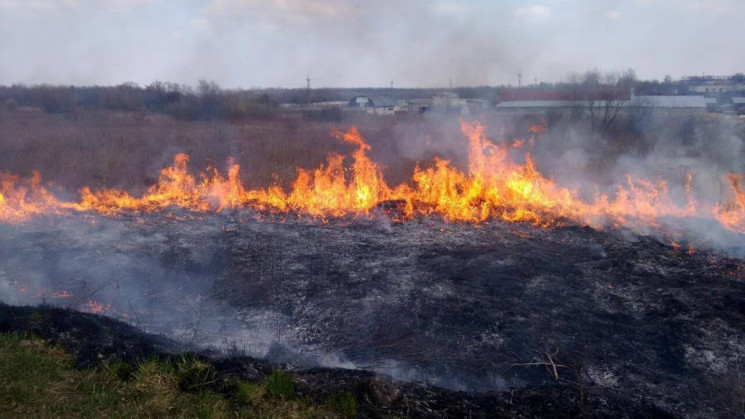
pixel 473 308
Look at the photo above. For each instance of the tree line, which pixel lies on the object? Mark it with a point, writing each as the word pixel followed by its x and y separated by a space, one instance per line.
pixel 205 102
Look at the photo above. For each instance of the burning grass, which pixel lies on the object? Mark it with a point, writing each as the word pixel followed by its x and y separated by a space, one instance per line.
pixel 124 150
pixel 495 186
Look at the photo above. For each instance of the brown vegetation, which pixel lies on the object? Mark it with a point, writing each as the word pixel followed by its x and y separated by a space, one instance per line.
pixel 127 150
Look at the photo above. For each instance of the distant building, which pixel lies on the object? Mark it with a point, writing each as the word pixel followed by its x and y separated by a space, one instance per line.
pixel 712 104
pixel 562 100
pixel 474 106
pixel 373 104
pixel 530 106
pixel 615 100
pixel 445 100
pixel 559 106
pixel 677 103
pixel 715 85
pixel 565 94
pixel 738 103
pixel 417 106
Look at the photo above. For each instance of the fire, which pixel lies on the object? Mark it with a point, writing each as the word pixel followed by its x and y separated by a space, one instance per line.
pixel 175 187
pixel 732 214
pixel 21 199
pixel 495 186
pixel 95 307
pixel 328 191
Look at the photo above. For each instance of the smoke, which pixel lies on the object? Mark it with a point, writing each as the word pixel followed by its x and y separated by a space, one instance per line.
pixel 267 290
pixel 141 277
pixel 690 154
pixel 355 43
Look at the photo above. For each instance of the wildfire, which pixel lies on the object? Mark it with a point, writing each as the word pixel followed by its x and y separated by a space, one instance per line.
pixel 495 186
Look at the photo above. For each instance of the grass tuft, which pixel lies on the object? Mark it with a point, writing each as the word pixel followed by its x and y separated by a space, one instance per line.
pixel 344 403
pixel 249 394
pixel 194 374
pixel 121 369
pixel 279 384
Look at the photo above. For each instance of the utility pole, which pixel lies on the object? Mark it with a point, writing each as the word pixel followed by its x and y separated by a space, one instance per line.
pixel 520 78
pixel 308 90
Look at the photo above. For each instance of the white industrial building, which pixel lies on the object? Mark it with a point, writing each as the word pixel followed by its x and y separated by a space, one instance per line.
pixel 373 104
pixel 661 103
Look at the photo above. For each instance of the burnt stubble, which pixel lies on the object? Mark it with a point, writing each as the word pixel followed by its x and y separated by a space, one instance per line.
pixel 488 308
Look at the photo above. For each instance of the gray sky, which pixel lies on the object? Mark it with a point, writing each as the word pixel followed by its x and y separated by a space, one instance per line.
pixel 265 43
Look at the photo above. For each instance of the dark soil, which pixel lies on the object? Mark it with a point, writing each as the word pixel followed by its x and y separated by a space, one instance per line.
pixel 94 339
pixel 527 321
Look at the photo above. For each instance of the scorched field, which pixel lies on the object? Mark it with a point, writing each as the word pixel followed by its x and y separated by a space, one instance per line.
pixel 484 256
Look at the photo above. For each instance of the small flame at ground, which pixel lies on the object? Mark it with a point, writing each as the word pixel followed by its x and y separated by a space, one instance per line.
pixel 95 307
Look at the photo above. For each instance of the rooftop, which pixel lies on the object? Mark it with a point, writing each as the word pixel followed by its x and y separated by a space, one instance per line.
pixel 671 101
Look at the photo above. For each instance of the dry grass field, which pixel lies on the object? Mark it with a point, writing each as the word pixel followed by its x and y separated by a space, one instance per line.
pixel 127 150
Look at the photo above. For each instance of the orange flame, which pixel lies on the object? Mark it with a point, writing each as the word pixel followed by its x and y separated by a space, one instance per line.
pixel 732 214
pixel 21 199
pixel 95 307
pixel 494 187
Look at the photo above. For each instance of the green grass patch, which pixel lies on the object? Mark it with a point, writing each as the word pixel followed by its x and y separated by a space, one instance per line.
pixel 194 374
pixel 280 385
pixel 38 379
pixel 249 393
pixel 345 404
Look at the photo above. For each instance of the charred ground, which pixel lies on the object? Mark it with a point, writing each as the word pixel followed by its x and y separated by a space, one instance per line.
pixel 491 308
pixel 97 341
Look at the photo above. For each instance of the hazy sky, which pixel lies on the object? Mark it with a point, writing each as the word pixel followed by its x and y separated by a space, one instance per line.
pixel 263 43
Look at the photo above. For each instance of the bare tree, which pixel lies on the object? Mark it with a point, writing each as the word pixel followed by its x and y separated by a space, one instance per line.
pixel 600 97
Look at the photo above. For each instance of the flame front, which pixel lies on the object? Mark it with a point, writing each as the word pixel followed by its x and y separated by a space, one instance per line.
pixel 495 186
pixel 732 214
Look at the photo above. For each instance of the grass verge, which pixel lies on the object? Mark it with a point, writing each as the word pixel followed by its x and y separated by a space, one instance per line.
pixel 37 379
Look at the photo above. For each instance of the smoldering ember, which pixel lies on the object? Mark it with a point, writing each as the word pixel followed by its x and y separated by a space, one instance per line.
pixel 439 258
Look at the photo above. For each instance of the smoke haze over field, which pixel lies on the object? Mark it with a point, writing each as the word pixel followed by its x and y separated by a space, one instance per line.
pixel 245 43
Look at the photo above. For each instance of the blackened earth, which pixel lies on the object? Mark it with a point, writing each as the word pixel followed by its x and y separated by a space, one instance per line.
pixel 498 309
pixel 95 340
